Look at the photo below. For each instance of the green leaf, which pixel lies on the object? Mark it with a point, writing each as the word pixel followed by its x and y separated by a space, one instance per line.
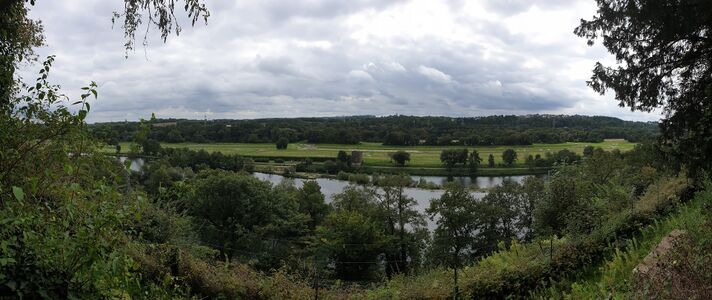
pixel 18 192
pixel 68 168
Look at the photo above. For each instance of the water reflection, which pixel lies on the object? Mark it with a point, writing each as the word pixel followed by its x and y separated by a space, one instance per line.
pixel 481 182
pixel 330 187
pixel 136 163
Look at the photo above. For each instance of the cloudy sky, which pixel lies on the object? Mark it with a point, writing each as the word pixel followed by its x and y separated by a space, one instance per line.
pixel 275 58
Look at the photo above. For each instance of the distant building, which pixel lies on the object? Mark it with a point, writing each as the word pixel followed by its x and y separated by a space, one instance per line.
pixel 165 124
pixel 356 158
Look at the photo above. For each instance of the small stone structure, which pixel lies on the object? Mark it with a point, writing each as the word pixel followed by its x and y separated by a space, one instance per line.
pixel 356 158
pixel 663 248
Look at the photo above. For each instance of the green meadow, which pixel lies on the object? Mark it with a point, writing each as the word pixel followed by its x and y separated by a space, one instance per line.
pixel 376 154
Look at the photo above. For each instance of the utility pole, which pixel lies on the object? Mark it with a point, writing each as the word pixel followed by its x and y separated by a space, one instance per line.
pixel 455 295
pixel 316 282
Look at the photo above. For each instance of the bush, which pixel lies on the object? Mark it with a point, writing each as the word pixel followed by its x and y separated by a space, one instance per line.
pixel 524 268
pixel 334 167
pixel 305 166
pixel 279 161
pixel 342 175
pixel 359 178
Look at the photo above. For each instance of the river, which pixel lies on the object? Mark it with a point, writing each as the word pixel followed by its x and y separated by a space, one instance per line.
pixel 330 187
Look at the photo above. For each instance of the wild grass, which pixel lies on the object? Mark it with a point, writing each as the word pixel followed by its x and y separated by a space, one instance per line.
pixel 615 277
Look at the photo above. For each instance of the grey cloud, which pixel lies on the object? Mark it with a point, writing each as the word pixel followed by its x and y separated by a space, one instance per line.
pixel 298 58
pixel 511 7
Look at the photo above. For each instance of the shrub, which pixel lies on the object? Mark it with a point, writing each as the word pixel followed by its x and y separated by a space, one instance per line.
pixel 342 175
pixel 524 268
pixel 305 166
pixel 359 178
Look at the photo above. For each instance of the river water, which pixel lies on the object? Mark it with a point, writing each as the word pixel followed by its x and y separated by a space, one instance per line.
pixel 330 187
pixel 136 163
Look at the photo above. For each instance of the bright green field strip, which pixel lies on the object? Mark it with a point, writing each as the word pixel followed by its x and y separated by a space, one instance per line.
pixel 376 154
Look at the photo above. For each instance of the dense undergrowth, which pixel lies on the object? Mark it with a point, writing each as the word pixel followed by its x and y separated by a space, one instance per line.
pixel 617 277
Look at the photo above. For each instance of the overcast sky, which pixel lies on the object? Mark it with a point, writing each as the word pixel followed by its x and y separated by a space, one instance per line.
pixel 276 58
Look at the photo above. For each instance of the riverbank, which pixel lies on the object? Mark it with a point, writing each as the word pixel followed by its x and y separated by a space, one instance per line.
pixel 479 183
pixel 279 168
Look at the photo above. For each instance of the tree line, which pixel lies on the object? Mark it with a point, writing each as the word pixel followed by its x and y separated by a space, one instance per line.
pixel 391 130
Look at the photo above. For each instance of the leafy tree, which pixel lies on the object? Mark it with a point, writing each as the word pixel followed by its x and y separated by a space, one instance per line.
pixel 451 157
pixel 118 148
pixel 358 198
pixel 20 35
pixel 151 147
pixel 404 225
pixel 311 203
pixel 305 166
pixel 65 224
pixel 457 217
pixel 332 167
pixel 473 162
pixel 502 205
pixel 240 214
pixel 174 136
pixel 400 157
pixel 509 156
pixel 588 151
pixel 282 143
pixel 529 161
pixel 490 161
pixel 565 156
pixel 353 242
pixel 662 52
pixel 344 157
pixel 160 14
pixel 550 216
pixel 532 194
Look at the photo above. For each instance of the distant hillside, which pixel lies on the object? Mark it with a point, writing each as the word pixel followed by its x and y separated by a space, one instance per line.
pixel 390 130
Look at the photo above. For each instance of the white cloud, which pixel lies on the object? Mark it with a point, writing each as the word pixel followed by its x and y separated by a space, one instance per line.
pixel 434 74
pixel 277 58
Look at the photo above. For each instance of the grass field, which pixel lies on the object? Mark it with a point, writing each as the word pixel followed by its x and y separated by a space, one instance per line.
pixel 376 154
